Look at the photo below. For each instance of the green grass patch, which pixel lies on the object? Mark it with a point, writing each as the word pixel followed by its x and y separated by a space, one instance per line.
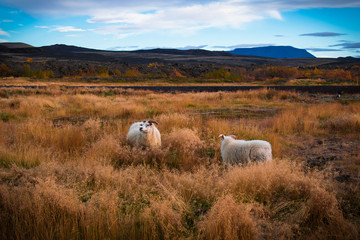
pixel 349 101
pixel 6 116
pixel 8 159
pixel 5 162
pixel 109 94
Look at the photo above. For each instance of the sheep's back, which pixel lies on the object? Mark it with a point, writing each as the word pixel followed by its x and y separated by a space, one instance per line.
pixel 240 151
pixel 260 151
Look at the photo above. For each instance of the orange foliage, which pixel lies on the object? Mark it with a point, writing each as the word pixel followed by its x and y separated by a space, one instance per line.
pixel 176 74
pixel 4 70
pixel 338 74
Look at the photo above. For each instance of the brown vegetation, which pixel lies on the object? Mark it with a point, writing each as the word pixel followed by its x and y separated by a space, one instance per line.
pixel 66 171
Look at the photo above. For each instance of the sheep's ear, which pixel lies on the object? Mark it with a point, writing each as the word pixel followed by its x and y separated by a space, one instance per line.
pixel 222 136
pixel 153 121
pixel 233 136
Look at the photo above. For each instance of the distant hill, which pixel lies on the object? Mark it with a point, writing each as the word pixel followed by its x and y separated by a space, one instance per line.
pixel 15 45
pixel 67 48
pixel 274 52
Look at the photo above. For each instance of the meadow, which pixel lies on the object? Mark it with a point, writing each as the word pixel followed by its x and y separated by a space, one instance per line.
pixel 66 171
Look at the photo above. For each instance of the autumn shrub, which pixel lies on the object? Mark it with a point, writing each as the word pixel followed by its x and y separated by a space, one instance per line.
pixel 343 124
pixel 163 220
pixel 104 149
pixel 3 94
pixel 318 119
pixel 184 148
pixel 126 156
pixel 228 220
pixel 131 73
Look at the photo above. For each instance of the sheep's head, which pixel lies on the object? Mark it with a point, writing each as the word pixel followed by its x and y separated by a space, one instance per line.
pixel 223 137
pixel 147 126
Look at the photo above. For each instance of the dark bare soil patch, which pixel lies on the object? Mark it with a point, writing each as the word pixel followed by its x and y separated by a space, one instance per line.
pixel 341 155
pixel 240 112
pixel 61 121
pixel 339 159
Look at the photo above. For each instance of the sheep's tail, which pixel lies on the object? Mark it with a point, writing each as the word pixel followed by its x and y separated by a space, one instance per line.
pixel 268 155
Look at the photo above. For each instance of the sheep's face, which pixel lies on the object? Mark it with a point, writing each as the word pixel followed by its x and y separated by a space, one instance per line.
pixel 146 126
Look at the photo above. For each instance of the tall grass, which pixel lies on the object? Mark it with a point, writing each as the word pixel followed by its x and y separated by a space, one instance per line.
pixel 61 201
pixel 66 171
pixel 319 119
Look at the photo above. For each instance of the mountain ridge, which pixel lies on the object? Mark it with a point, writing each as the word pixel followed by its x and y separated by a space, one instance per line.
pixel 266 52
pixel 173 56
pixel 274 52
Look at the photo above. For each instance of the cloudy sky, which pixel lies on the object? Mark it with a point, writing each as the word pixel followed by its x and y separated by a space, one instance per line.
pixel 326 28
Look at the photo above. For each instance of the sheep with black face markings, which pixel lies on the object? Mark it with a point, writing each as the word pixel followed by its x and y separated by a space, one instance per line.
pixel 144 134
pixel 242 152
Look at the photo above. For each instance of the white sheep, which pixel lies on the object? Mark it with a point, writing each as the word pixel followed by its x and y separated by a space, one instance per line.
pixel 242 152
pixel 144 134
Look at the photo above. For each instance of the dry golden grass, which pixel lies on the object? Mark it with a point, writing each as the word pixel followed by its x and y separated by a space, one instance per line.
pixel 319 119
pixel 66 171
pixel 74 200
pixel 228 220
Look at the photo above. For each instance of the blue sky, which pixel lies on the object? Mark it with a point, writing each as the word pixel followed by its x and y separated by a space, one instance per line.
pixel 326 28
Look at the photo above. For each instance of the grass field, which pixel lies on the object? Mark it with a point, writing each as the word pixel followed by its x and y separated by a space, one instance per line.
pixel 66 171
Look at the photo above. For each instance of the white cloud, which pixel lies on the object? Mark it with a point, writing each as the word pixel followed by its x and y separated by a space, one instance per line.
pixel 198 16
pixel 275 14
pixel 88 7
pixel 189 47
pixel 3 33
pixel 67 29
pixel 43 27
pixel 7 21
pixel 63 29
pixel 183 20
pixel 3 40
pixel 128 18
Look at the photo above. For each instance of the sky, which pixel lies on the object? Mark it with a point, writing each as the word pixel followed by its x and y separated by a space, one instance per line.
pixel 326 28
